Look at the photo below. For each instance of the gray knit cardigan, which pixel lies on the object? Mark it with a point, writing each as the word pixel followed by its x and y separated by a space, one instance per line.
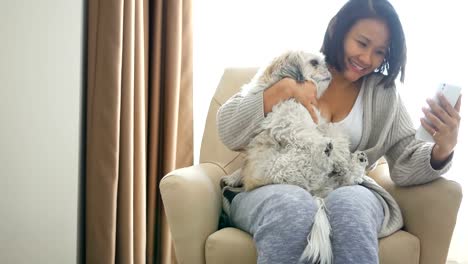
pixel 387 131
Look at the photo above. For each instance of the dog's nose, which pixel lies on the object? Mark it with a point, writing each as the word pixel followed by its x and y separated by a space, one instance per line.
pixel 328 149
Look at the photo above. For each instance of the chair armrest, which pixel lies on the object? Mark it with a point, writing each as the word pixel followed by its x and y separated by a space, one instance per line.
pixel 429 211
pixel 192 202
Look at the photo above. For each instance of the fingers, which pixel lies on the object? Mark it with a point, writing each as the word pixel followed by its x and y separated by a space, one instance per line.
pixel 427 126
pixel 313 93
pixel 434 121
pixel 305 93
pixel 314 100
pixel 442 121
pixel 310 92
pixel 458 104
pixel 438 111
pixel 312 112
pixel 449 115
pixel 451 111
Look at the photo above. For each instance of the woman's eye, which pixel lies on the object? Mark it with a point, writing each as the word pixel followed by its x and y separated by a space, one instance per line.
pixel 362 44
pixel 381 53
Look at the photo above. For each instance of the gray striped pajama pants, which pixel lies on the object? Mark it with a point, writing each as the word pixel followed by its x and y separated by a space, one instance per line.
pixel 280 217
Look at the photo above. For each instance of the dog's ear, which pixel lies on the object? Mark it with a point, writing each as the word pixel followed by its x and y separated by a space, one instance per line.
pixel 273 67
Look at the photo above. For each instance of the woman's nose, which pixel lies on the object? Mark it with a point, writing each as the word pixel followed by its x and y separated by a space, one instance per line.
pixel 366 57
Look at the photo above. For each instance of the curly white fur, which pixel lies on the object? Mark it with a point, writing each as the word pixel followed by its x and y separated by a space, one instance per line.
pixel 290 148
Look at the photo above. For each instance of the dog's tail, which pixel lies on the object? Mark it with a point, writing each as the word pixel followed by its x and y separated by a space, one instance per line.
pixel 319 248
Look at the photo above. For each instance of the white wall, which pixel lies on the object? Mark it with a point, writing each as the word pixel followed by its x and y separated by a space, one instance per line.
pixel 42 60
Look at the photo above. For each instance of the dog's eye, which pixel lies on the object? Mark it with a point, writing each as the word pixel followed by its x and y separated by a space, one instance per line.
pixel 314 62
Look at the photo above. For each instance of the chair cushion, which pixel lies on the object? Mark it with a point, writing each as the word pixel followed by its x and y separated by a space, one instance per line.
pixel 230 246
pixel 234 246
pixel 400 247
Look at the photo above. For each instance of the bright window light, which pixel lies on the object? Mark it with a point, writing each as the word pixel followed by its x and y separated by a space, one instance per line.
pixel 250 32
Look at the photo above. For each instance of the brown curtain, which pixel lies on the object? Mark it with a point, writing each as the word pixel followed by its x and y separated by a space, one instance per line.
pixel 139 124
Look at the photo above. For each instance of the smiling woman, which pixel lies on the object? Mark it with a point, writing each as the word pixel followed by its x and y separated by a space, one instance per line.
pixel 243 33
pixel 370 36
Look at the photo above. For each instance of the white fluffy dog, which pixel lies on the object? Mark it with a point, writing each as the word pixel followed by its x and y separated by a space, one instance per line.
pixel 290 148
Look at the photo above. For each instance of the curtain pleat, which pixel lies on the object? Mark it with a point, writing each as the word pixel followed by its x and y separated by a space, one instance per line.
pixel 154 150
pixel 171 124
pixel 103 129
pixel 139 124
pixel 141 130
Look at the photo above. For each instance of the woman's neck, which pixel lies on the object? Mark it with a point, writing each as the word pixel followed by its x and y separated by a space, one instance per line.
pixel 338 99
pixel 339 82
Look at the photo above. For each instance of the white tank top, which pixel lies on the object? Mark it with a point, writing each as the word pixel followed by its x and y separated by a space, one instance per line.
pixel 352 123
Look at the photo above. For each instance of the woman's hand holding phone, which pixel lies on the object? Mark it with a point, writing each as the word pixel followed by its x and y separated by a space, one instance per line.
pixel 441 121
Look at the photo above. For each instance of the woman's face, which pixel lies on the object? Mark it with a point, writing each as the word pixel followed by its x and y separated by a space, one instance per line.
pixel 365 47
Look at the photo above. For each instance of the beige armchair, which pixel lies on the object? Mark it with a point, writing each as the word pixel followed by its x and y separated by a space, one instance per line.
pixel 192 201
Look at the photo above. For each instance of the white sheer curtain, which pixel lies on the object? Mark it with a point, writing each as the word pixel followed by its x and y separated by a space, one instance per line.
pixel 249 32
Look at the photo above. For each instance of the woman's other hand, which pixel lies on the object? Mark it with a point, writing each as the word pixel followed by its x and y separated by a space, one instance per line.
pixel 445 121
pixel 303 92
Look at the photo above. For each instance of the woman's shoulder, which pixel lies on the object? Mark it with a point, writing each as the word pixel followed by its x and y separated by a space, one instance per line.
pixel 374 82
pixel 379 97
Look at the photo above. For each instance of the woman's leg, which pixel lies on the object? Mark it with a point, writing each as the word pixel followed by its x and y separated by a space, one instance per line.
pixel 356 217
pixel 279 217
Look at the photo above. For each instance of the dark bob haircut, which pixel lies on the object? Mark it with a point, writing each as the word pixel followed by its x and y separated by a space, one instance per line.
pixel 353 11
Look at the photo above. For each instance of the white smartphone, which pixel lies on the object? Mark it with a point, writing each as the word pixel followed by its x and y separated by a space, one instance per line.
pixel 452 93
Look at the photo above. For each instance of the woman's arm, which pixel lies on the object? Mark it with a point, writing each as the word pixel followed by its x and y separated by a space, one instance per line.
pixel 410 159
pixel 303 92
pixel 444 126
pixel 239 118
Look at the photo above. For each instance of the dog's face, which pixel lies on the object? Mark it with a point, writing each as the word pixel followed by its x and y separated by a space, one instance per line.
pixel 315 69
pixel 329 154
pixel 298 65
pixel 323 154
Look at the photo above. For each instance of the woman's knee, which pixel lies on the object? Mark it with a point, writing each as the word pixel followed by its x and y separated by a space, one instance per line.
pixel 349 197
pixel 287 203
pixel 355 204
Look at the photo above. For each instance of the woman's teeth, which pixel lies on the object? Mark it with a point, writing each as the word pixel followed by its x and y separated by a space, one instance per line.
pixel 357 66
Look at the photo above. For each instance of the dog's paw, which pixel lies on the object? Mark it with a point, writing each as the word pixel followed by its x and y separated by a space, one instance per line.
pixel 358 180
pixel 328 149
pixel 232 180
pixel 339 170
pixel 361 158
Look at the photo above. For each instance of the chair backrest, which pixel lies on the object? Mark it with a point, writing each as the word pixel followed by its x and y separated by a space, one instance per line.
pixel 212 149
